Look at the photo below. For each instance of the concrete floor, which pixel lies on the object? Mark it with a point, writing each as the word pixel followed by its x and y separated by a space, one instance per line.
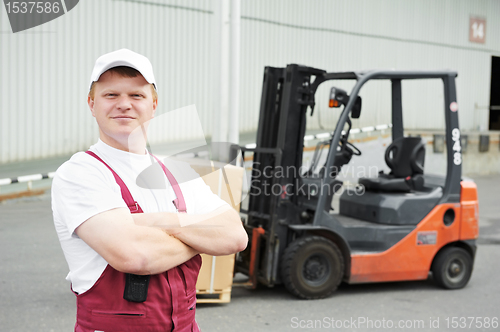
pixel 35 296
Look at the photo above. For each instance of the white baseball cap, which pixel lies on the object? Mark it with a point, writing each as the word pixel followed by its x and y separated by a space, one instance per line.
pixel 123 57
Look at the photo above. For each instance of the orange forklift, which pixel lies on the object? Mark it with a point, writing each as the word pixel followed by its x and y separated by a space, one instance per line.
pixel 394 227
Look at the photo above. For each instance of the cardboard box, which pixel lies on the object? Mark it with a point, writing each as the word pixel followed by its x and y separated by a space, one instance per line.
pixel 216 273
pixel 225 180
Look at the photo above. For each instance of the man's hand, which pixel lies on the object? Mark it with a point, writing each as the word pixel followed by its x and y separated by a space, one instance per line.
pixel 220 232
pixel 131 248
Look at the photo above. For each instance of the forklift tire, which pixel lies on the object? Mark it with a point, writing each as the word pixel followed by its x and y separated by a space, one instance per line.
pixel 312 267
pixel 452 268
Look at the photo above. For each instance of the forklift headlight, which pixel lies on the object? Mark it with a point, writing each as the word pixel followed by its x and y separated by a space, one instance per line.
pixel 338 97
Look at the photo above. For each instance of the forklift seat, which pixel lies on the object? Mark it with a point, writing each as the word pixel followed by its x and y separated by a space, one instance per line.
pixel 405 157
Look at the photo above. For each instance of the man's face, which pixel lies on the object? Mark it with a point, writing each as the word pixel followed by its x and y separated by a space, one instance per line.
pixel 120 105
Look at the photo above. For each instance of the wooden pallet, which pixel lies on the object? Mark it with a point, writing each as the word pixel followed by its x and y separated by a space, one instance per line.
pixel 216 296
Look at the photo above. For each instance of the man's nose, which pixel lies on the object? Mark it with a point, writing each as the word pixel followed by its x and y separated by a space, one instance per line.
pixel 123 102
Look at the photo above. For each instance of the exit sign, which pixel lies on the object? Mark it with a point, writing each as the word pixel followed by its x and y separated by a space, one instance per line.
pixel 477 30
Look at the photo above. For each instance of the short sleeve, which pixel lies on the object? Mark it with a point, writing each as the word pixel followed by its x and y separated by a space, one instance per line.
pixel 81 189
pixel 205 200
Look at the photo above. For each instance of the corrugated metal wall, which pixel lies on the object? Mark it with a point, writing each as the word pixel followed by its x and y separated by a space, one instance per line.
pixel 365 34
pixel 44 71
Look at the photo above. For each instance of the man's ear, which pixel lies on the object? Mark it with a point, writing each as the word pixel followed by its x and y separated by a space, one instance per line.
pixel 90 102
pixel 155 104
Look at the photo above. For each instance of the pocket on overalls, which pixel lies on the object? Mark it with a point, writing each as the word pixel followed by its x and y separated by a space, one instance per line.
pixel 191 300
pixel 119 314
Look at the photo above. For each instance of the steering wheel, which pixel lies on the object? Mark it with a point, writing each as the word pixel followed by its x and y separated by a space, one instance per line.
pixel 353 149
pixel 347 146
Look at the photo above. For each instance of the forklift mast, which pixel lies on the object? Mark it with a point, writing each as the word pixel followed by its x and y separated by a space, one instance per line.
pixel 281 130
pixel 277 161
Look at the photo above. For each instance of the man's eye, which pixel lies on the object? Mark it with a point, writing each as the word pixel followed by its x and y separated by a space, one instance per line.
pixel 111 95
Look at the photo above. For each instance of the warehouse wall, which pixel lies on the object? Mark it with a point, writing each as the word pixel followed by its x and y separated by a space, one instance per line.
pixel 364 34
pixel 44 71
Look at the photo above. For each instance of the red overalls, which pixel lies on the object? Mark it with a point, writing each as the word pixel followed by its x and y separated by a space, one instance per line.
pixel 171 299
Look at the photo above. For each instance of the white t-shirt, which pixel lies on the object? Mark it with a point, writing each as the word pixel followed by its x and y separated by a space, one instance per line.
pixel 84 187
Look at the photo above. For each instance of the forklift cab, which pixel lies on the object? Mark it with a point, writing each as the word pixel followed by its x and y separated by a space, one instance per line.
pixel 382 199
pixel 393 227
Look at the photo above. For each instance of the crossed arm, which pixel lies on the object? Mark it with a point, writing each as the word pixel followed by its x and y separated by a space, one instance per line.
pixel 219 232
pixel 151 243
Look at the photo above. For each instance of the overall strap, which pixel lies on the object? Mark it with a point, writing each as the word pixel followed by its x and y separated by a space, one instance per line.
pixel 127 197
pixel 179 202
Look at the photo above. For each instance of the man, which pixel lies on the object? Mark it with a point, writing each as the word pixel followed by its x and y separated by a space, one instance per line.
pixel 133 252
